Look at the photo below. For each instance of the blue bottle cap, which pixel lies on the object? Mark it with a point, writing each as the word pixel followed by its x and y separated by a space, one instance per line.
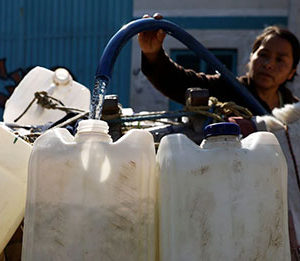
pixel 222 128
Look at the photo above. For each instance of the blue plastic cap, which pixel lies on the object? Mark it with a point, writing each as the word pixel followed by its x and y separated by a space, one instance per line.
pixel 223 128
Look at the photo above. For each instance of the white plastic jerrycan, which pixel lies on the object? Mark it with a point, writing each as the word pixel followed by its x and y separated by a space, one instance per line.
pixel 89 198
pixel 224 200
pixel 58 84
pixel 14 158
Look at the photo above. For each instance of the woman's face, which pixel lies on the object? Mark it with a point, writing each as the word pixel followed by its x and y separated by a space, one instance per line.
pixel 271 64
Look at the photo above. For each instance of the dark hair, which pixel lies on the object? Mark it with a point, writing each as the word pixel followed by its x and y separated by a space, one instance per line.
pixel 282 33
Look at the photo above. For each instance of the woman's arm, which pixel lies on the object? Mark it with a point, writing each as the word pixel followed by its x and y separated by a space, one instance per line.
pixel 172 79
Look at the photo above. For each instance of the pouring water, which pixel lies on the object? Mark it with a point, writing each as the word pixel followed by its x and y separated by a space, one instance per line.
pixel 98 98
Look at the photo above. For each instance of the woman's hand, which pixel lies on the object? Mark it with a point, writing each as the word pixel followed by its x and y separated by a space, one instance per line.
pixel 151 41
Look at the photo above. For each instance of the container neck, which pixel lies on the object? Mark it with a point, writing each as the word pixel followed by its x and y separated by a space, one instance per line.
pixel 221 141
pixel 92 130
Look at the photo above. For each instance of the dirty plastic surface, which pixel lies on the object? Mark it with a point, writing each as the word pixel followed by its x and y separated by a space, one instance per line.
pixel 14 158
pixel 224 200
pixel 90 198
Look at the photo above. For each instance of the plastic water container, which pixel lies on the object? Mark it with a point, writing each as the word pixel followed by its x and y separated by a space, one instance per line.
pixel 58 84
pixel 224 200
pixel 14 157
pixel 90 198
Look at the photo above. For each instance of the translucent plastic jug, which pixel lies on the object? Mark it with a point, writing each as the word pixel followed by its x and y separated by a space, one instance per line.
pixel 89 198
pixel 58 84
pixel 14 157
pixel 224 200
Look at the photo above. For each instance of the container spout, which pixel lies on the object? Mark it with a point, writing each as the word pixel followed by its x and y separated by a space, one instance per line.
pixel 111 51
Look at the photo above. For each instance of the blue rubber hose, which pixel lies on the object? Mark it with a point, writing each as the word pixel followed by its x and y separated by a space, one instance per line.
pixel 112 49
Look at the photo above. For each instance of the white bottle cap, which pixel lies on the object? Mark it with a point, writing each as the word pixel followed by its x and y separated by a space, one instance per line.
pixel 61 76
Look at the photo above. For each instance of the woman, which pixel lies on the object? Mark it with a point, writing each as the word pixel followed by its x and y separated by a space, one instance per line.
pixel 273 61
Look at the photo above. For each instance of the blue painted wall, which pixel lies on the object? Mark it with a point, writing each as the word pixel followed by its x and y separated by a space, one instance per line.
pixel 68 33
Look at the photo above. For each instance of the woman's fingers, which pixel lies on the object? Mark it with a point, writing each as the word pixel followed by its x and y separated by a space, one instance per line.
pixel 158 16
pixel 161 34
pixel 146 16
pixel 151 41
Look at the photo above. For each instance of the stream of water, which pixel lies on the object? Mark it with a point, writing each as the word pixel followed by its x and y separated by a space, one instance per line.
pixel 97 99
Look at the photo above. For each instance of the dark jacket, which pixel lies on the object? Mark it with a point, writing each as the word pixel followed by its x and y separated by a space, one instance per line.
pixel 173 80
